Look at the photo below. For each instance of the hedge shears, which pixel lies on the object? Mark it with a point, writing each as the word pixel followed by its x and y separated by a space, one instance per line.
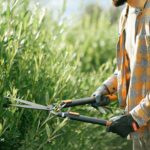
pixel 56 109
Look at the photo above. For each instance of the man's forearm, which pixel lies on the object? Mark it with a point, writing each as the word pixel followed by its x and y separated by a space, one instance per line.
pixel 141 113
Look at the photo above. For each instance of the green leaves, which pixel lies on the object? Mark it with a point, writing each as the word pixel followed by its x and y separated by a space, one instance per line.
pixel 1 128
pixel 48 130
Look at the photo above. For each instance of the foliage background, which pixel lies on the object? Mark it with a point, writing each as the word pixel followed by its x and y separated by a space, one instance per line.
pixel 45 60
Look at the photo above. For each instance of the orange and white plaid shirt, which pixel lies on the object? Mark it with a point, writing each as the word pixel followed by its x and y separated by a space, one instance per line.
pixel 133 84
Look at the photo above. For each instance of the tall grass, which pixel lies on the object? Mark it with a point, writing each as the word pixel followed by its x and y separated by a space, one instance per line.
pixel 45 61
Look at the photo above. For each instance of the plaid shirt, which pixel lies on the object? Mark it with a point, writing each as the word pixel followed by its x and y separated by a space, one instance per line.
pixel 133 84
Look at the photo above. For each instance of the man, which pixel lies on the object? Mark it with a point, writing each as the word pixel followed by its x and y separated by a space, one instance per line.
pixel 132 79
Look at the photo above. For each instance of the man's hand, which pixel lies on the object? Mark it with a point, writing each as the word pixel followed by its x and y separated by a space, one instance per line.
pixel 101 100
pixel 123 125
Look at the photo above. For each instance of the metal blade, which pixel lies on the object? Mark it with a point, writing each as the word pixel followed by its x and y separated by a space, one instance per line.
pixel 49 108
pixel 30 107
pixel 26 102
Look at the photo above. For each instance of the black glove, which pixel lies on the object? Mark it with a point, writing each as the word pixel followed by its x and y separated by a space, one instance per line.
pixel 123 125
pixel 101 99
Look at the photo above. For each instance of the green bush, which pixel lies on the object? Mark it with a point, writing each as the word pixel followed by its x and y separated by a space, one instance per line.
pixel 45 61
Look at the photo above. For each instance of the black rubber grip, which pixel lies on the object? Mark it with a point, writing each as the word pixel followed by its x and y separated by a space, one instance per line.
pixel 81 118
pixel 82 101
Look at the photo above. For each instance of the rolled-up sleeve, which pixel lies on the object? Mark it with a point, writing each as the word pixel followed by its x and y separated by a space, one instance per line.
pixel 141 113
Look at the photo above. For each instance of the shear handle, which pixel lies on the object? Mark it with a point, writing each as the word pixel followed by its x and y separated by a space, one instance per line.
pixel 78 117
pixel 83 101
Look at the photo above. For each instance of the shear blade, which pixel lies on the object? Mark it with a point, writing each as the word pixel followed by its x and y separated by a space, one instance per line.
pixel 30 107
